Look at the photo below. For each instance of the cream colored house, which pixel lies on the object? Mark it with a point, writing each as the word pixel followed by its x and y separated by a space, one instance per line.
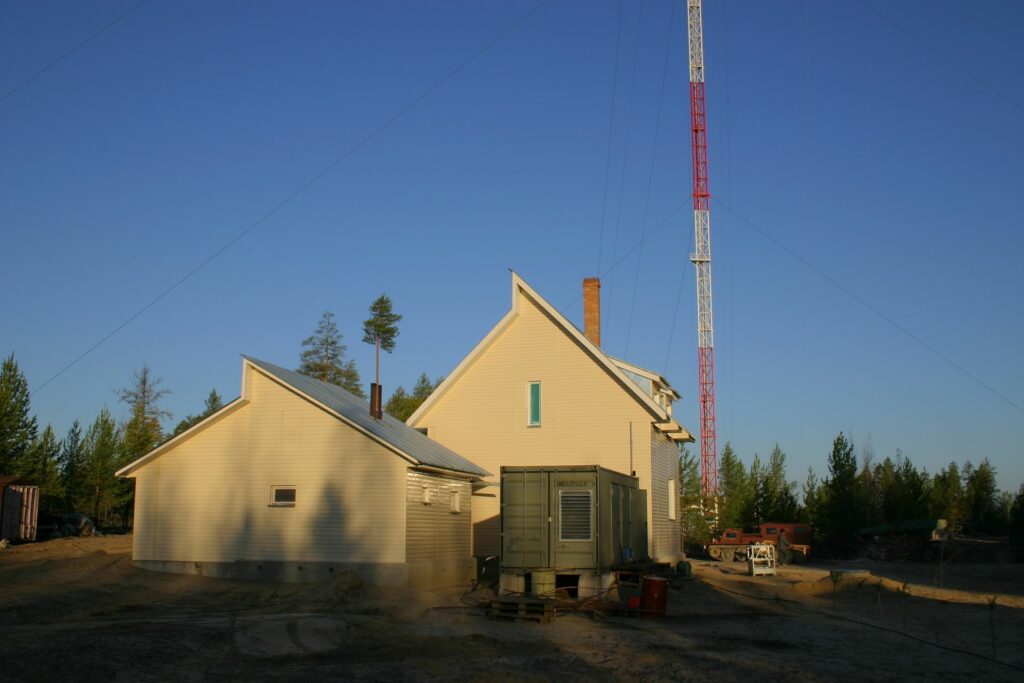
pixel 537 391
pixel 294 480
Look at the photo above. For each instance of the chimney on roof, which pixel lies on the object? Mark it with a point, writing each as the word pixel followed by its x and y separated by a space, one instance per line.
pixel 376 401
pixel 592 309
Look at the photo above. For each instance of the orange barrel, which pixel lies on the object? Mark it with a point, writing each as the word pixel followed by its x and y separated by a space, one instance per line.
pixel 654 596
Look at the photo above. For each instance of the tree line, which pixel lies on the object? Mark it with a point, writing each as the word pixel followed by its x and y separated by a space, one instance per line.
pixel 857 493
pixel 75 472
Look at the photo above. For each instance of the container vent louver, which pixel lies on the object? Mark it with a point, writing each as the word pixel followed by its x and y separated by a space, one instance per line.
pixel 575 515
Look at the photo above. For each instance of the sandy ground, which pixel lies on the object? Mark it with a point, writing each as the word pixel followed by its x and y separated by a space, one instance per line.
pixel 76 609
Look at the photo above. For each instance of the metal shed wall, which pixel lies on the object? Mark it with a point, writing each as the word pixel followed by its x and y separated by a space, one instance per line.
pixel 537 533
pixel 19 512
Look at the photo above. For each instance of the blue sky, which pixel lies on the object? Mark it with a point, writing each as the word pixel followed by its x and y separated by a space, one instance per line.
pixel 882 162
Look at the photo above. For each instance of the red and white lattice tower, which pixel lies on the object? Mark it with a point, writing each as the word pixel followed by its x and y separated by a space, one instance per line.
pixel 701 257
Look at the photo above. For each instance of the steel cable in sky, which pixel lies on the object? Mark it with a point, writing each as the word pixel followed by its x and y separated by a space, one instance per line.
pixel 941 55
pixel 650 173
pixel 70 52
pixel 302 188
pixel 611 129
pixel 871 307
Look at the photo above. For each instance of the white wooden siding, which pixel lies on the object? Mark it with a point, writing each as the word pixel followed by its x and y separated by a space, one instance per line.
pixel 208 498
pixel 433 531
pixel 587 417
pixel 664 531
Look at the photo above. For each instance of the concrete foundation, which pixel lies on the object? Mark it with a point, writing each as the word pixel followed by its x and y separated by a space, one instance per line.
pixel 418 574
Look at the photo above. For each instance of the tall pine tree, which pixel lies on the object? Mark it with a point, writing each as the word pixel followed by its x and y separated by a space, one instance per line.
pixel 381 328
pixel 141 433
pixel 734 488
pixel 41 466
pixel 842 511
pixel 71 467
pixel 102 452
pixel 17 427
pixel 323 357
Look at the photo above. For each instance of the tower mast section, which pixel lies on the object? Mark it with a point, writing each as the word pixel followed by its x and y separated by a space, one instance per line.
pixel 701 257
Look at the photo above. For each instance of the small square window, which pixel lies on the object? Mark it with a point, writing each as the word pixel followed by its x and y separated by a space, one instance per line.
pixel 533 400
pixel 282 496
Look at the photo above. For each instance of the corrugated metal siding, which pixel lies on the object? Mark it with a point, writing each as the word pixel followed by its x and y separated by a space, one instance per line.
pixel 19 512
pixel 432 530
pixel 208 498
pixel 664 531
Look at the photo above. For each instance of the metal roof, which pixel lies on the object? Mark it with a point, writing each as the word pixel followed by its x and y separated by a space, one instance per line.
pixel 403 438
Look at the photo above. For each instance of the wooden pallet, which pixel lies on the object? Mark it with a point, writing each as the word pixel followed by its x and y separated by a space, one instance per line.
pixel 535 609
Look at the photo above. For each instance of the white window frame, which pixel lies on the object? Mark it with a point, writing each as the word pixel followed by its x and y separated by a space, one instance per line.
pixel 672 499
pixel 427 494
pixel 274 488
pixel 529 406
pixel 455 502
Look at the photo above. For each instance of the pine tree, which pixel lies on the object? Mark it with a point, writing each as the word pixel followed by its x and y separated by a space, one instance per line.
pixel 695 525
pixel 813 497
pixel 1017 519
pixel 947 497
pixel 323 357
pixel 734 488
pixel 17 427
pixel 212 404
pixel 381 328
pixel 71 464
pixel 40 466
pixel 980 497
pixel 141 433
pixel 781 500
pixel 401 405
pixel 102 452
pixel 842 511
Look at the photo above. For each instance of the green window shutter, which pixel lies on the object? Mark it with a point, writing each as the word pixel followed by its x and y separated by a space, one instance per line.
pixel 535 403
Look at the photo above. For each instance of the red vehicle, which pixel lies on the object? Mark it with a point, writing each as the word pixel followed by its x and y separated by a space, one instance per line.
pixel 733 543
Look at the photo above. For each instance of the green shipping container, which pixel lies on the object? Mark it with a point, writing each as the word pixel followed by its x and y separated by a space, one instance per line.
pixel 580 518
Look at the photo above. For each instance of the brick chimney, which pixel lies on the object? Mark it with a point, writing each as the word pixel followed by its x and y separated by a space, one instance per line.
pixel 592 310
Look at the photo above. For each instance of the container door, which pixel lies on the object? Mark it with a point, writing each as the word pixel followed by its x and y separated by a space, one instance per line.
pixel 524 520
pixel 574 531
pixel 638 524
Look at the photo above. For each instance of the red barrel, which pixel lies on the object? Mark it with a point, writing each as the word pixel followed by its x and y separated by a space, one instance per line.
pixel 654 596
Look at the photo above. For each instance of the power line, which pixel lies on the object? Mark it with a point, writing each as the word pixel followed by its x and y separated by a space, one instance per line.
pixel 70 52
pixel 941 55
pixel 302 188
pixel 650 174
pixel 866 304
pixel 649 235
pixel 611 128
pixel 625 158
pixel 675 316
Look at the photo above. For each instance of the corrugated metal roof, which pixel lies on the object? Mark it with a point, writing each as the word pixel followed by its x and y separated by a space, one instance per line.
pixel 414 444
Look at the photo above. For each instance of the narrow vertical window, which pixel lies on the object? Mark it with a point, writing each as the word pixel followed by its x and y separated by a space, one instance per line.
pixel 672 499
pixel 534 401
pixel 456 502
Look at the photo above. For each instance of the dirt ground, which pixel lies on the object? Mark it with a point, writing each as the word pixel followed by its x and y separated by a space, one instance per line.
pixel 76 609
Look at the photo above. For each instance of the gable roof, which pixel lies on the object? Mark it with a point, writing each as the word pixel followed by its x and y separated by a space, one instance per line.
pixel 399 437
pixel 611 366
